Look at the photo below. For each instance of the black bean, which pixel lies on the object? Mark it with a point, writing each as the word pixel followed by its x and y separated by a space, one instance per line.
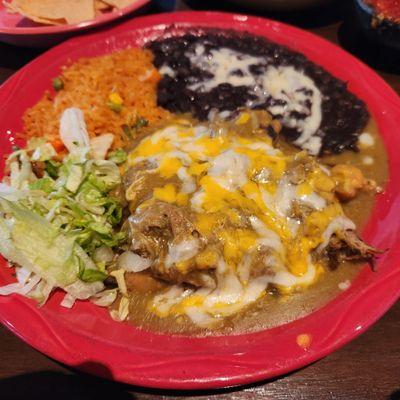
pixel 343 114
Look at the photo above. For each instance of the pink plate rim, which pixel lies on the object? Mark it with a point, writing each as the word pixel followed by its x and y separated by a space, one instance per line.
pixel 135 356
pixel 100 20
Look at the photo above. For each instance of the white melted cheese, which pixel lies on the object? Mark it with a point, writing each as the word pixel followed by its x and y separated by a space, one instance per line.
pixel 268 238
pixel 197 200
pixel 263 146
pixel 368 160
pixel 232 295
pixel 229 169
pixel 284 83
pixel 286 194
pixel 199 316
pixel 366 140
pixel 338 224
pixel 286 279
pixel 313 200
pixel 180 155
pixel 182 251
pixel 163 302
pixel 293 225
pixel 167 70
pixel 284 198
pixel 228 291
pixel 188 183
pixel 223 63
pixel 296 89
pixel 344 285
pixel 170 132
pixel 243 269
pixel 229 297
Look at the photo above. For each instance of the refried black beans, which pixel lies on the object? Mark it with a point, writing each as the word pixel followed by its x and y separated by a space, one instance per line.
pixel 218 72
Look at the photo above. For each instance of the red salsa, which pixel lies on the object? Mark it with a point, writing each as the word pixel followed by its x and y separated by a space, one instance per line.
pixel 388 9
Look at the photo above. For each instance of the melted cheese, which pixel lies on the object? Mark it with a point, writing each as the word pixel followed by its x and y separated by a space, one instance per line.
pixel 366 140
pixel 164 302
pixel 169 166
pixel 337 224
pixel 222 64
pixel 182 251
pixel 169 194
pixel 368 160
pixel 344 285
pixel 267 237
pixel 229 170
pixel 288 280
pixel 239 193
pixel 294 92
pixel 188 183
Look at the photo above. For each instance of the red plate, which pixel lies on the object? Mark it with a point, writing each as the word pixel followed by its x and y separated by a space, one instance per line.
pixel 18 30
pixel 86 337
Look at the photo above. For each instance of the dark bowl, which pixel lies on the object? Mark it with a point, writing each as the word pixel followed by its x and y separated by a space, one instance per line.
pixel 279 5
pixel 382 31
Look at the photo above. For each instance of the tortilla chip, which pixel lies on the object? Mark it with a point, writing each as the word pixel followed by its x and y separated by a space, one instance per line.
pixel 79 10
pixel 53 11
pixel 119 3
pixel 13 9
pixel 9 7
pixel 101 5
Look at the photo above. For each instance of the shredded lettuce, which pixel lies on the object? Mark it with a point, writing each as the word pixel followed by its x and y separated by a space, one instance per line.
pixel 43 152
pixel 44 184
pixel 105 298
pixel 10 193
pixel 52 226
pixel 52 222
pixel 32 242
pixel 34 143
pixel 68 301
pixel 99 145
pixel 118 156
pixel 106 173
pixel 92 275
pixel 20 170
pixel 74 177
pixel 41 292
pixel 73 131
pixel 21 288
pixel 51 167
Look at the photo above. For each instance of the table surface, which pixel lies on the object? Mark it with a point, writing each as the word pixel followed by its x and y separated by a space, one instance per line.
pixel 367 368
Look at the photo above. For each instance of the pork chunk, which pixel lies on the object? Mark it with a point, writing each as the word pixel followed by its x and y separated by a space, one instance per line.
pixel 165 233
